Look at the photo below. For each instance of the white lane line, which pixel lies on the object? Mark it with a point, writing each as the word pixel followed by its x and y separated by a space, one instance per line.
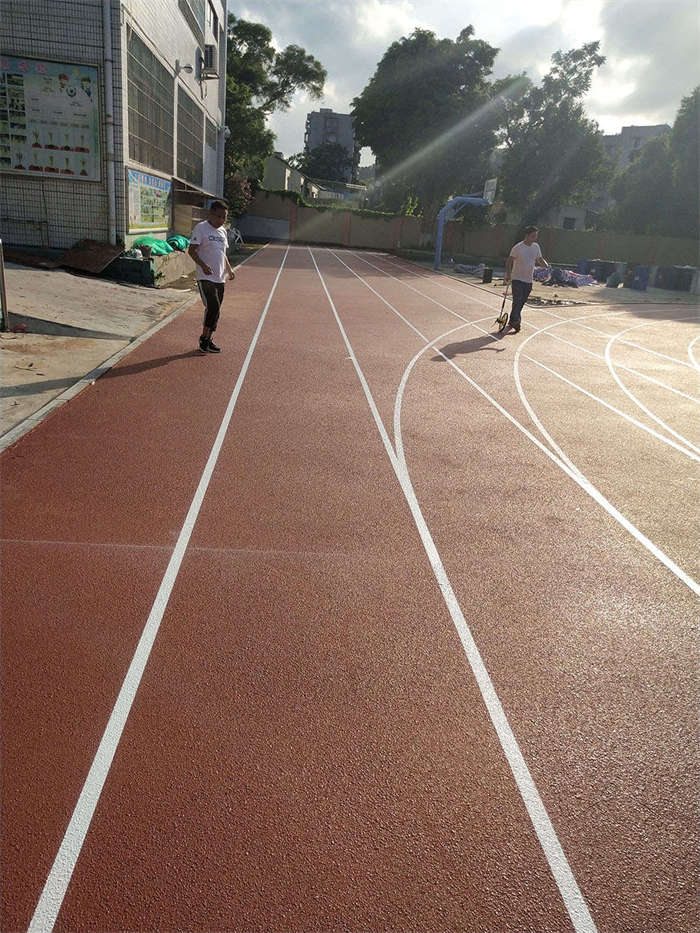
pixel 559 458
pixel 600 401
pixel 601 357
pixel 691 354
pixel 577 321
pixel 641 309
pixel 538 331
pixel 561 870
pixel 612 367
pixel 61 872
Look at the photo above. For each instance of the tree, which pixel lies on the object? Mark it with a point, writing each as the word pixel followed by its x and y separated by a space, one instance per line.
pixel 238 192
pixel 642 192
pixel 553 152
pixel 425 116
pixel 260 80
pixel 329 162
pixel 685 159
pixel 658 193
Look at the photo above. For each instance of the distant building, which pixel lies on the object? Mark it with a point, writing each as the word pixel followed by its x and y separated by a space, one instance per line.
pixel 111 118
pixel 279 175
pixel 624 147
pixel 324 126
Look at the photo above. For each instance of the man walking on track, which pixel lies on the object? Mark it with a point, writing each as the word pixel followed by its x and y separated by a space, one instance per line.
pixel 520 266
pixel 208 249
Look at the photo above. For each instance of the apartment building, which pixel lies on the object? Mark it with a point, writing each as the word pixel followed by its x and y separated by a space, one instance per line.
pixel 624 147
pixel 112 117
pixel 325 126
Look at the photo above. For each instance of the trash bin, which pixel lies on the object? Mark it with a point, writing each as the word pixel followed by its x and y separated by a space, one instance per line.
pixel 640 278
pixel 596 270
pixel 487 275
pixel 665 277
pixel 583 266
pixel 684 278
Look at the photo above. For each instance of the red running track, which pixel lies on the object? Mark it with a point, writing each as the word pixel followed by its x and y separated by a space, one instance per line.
pixel 408 645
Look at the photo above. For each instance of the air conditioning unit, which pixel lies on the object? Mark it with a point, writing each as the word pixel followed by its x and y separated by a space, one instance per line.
pixel 210 67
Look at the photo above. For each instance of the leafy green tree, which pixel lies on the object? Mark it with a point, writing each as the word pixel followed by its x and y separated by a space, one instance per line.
pixel 259 81
pixel 658 193
pixel 329 162
pixel 642 192
pixel 685 159
pixel 553 153
pixel 238 192
pixel 426 117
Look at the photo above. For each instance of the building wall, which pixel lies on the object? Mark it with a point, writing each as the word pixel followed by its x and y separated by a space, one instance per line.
pixel 279 175
pixel 53 211
pixel 624 147
pixel 161 26
pixel 330 225
pixel 325 126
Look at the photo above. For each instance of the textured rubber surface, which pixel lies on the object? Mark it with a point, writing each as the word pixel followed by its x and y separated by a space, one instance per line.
pixel 309 748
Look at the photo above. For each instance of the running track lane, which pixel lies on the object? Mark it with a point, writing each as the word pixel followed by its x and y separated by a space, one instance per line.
pixel 305 683
pixel 599 662
pixel 281 690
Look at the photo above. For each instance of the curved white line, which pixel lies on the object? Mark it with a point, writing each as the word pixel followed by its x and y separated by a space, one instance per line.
pixel 695 363
pixel 542 330
pixel 564 464
pixel 630 395
pixel 601 333
pixel 561 870
pixel 569 343
pixel 595 493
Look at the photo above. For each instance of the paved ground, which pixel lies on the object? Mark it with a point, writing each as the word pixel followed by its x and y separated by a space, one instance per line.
pixel 76 325
pixel 586 294
pixel 372 622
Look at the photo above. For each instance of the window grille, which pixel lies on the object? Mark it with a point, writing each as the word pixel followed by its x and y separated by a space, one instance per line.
pixel 210 134
pixel 151 121
pixel 195 14
pixel 190 139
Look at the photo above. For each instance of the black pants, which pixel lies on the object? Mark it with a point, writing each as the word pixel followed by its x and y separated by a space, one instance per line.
pixel 521 291
pixel 212 295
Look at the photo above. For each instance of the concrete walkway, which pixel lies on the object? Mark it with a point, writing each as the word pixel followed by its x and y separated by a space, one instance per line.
pixel 65 330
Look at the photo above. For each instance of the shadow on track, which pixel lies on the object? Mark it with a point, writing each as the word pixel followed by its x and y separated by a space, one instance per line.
pixel 451 350
pixel 150 364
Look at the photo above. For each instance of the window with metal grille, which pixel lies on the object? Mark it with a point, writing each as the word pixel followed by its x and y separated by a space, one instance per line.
pixel 190 139
pixel 195 15
pixel 151 120
pixel 210 134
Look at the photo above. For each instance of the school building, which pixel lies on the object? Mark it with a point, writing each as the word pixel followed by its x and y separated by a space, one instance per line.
pixel 111 118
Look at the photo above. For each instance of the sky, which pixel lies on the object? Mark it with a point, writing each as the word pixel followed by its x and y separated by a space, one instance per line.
pixel 652 48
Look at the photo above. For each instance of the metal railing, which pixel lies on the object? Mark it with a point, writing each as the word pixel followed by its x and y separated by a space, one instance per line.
pixel 3 293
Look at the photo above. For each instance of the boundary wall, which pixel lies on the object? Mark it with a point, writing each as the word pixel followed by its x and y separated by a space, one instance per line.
pixel 338 227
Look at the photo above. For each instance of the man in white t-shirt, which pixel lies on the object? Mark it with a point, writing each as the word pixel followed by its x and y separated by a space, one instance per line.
pixel 208 249
pixel 520 266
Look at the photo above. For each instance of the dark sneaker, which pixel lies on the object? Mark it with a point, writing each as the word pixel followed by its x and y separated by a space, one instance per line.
pixel 212 347
pixel 203 344
pixel 516 326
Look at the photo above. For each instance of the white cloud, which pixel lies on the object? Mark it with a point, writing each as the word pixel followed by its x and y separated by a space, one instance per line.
pixel 384 20
pixel 651 47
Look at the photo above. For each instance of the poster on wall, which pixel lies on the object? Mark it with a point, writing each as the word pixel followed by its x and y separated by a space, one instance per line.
pixel 49 118
pixel 149 201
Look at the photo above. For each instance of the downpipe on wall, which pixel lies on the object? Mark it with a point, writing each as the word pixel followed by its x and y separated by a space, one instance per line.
pixel 109 117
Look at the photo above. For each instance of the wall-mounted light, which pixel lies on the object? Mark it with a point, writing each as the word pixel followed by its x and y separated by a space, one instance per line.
pixel 188 69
